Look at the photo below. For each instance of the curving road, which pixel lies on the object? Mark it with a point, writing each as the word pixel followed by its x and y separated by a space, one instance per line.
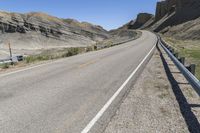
pixel 65 95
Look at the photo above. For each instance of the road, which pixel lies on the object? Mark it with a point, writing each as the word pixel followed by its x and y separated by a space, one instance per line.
pixel 65 95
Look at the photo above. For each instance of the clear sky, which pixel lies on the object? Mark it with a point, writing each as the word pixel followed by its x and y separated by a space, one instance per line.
pixel 108 13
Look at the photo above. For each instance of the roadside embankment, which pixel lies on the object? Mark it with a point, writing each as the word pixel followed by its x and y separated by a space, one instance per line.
pixel 190 49
pixel 43 55
pixel 119 37
pixel 160 101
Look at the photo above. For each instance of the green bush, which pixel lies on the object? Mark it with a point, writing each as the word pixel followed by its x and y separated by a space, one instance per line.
pixel 4 66
pixel 49 55
pixel 30 59
pixel 95 47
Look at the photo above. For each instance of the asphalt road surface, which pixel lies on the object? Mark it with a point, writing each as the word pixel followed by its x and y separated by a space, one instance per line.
pixel 65 95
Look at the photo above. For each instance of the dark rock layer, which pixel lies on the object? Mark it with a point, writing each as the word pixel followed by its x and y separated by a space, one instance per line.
pixel 179 18
pixel 142 18
pixel 49 26
pixel 174 12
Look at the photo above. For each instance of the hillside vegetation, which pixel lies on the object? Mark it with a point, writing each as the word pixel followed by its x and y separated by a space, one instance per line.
pixel 189 49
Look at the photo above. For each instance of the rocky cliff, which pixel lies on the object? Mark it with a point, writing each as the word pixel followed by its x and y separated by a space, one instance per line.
pixel 172 16
pixel 174 12
pixel 163 8
pixel 41 29
pixel 142 18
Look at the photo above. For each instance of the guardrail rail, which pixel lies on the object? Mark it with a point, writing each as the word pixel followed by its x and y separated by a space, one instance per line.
pixel 188 75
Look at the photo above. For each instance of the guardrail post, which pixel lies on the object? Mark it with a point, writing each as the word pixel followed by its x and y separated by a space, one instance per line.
pixel 170 49
pixel 182 60
pixel 188 72
pixel 176 55
pixel 191 68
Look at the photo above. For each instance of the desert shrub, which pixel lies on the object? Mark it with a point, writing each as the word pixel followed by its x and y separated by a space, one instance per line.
pixel 29 59
pixel 49 55
pixel 4 66
pixel 95 47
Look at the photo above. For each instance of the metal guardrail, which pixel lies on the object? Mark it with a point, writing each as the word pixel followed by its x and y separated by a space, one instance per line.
pixel 14 59
pixel 5 62
pixel 188 75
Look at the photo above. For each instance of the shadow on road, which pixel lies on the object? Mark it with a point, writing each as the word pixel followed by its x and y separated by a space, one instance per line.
pixel 185 107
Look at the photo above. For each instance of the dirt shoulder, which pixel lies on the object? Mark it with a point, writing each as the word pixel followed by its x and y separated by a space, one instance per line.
pixel 160 101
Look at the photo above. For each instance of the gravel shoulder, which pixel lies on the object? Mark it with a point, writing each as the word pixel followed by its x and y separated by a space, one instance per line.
pixel 160 101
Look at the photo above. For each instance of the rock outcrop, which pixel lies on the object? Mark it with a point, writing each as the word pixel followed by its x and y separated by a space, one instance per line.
pixel 142 18
pixel 160 10
pixel 163 8
pixel 187 10
pixel 174 12
pixel 39 25
pixel 172 17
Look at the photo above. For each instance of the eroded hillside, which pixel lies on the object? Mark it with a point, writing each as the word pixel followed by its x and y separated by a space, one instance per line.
pixel 38 30
pixel 177 18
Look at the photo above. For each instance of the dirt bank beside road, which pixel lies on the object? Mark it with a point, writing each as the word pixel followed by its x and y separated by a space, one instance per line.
pixel 160 102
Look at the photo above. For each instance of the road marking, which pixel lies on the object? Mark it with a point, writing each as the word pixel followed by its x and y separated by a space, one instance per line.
pixel 29 68
pixel 47 63
pixel 36 66
pixel 109 102
pixel 88 63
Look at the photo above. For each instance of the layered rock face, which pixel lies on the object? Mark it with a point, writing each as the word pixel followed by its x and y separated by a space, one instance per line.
pixel 163 8
pixel 142 18
pixel 31 27
pixel 187 10
pixel 174 12
pixel 160 10
pixel 180 18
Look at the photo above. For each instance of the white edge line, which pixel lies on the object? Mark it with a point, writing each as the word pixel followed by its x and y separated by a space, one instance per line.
pixel 32 67
pixel 109 102
pixel 29 68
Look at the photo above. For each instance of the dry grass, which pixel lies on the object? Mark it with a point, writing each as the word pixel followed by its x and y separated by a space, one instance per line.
pixel 50 54
pixel 56 54
pixel 189 49
pixel 45 16
pixel 4 66
pixel 120 37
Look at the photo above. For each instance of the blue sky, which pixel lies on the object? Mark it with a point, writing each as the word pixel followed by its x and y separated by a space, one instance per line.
pixel 108 13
